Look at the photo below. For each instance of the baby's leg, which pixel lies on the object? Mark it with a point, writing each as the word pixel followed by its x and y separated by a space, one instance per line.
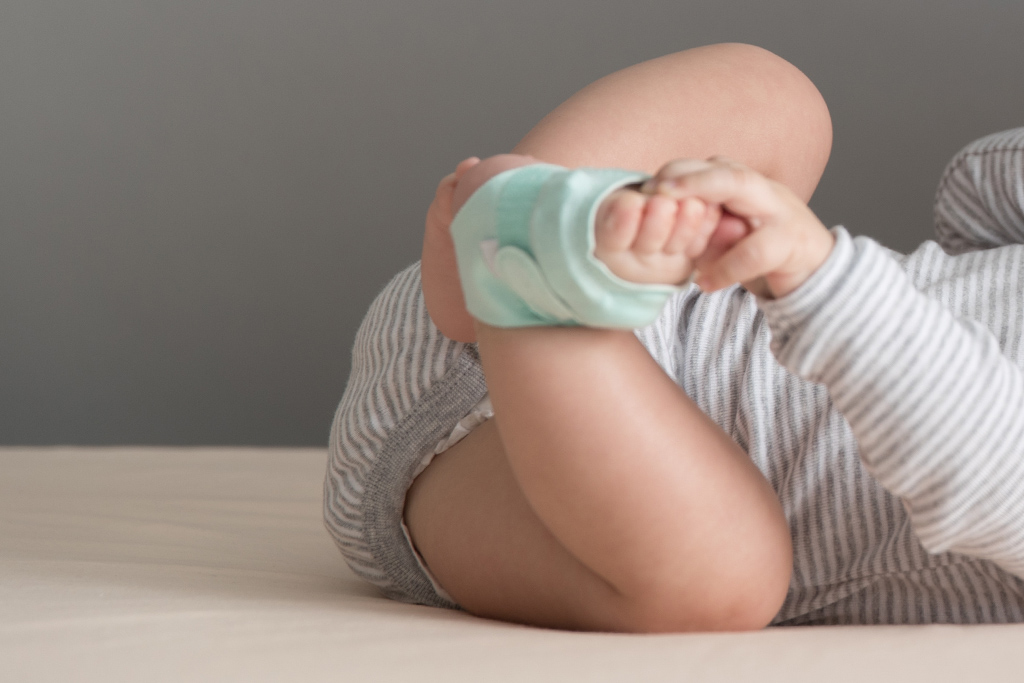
pixel 732 100
pixel 601 497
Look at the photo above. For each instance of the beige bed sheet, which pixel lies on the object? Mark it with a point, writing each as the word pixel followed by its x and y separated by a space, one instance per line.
pixel 168 564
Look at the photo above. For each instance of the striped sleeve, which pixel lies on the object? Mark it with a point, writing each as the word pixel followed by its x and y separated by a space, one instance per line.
pixel 980 200
pixel 408 388
pixel 937 409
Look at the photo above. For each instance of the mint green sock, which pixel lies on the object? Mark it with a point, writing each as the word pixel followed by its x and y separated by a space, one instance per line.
pixel 524 242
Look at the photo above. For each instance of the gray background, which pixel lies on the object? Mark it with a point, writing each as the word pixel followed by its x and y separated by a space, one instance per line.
pixel 200 198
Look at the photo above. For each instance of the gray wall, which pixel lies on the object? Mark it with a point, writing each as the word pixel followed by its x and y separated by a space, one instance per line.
pixel 199 199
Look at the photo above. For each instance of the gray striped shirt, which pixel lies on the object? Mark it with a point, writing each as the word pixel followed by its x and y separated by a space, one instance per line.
pixel 883 400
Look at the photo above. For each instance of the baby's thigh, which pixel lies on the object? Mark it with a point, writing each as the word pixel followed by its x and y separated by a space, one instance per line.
pixel 735 100
pixel 482 542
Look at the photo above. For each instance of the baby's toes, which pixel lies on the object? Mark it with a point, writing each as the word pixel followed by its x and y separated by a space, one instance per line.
pixel 617 221
pixel 657 224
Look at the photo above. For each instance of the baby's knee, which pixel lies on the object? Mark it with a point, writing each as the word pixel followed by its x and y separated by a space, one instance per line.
pixel 747 605
pixel 793 116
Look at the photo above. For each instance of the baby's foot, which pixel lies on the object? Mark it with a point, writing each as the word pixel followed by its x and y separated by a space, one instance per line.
pixel 652 239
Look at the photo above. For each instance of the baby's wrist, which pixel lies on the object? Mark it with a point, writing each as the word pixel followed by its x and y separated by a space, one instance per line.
pixel 822 292
pixel 814 254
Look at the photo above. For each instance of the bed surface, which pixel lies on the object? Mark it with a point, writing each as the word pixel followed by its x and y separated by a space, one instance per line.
pixel 165 564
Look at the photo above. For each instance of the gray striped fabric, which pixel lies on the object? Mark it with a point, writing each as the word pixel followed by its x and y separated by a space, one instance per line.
pixel 883 401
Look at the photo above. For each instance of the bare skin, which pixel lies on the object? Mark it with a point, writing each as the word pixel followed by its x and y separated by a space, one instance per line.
pixel 600 497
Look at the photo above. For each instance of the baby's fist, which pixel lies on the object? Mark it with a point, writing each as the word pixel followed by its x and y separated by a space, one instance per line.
pixel 652 239
pixel 786 242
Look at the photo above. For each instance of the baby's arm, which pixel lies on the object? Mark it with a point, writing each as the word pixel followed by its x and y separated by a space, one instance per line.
pixel 935 405
pixel 980 200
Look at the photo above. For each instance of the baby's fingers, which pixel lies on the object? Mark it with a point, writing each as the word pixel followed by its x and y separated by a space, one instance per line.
pixel 756 255
pixel 739 189
pixel 672 170
pixel 695 221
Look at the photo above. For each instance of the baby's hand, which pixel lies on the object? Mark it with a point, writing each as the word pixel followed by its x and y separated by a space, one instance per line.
pixel 785 244
pixel 652 239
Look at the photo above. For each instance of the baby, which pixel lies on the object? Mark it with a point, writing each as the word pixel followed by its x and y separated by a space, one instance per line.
pixel 820 431
pixel 728 220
